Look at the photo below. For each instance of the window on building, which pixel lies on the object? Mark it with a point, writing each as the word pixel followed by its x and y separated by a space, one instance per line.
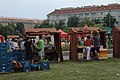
pixel 118 11
pixel 63 16
pixel 57 17
pixel 105 12
pixel 93 14
pixel 74 14
pixel 53 17
pixel 69 15
pixel 80 15
pixel 86 14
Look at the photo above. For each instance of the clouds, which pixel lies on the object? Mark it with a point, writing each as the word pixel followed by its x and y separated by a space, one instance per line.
pixel 40 8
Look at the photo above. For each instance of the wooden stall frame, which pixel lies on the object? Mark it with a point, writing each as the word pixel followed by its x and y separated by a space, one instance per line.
pixel 52 31
pixel 74 42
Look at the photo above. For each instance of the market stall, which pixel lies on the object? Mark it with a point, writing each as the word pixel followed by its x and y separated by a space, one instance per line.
pixel 75 31
pixel 63 34
pixel 55 50
pixel 116 44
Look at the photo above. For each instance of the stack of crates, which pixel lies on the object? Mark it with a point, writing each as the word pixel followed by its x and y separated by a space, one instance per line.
pixel 15 53
pixel 26 66
pixel 5 65
pixel 21 55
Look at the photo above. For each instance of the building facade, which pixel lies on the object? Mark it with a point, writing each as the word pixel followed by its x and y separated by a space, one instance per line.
pixel 93 12
pixel 28 23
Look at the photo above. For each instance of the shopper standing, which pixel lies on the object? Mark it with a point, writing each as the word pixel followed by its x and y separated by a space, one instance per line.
pixel 96 41
pixel 88 47
pixel 29 49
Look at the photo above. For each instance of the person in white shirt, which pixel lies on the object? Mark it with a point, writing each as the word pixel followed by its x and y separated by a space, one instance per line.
pixel 14 44
pixel 22 45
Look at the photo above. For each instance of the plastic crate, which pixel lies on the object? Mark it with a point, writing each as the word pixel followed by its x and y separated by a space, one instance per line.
pixel 7 70
pixel 3 45
pixel 45 65
pixel 26 66
pixel 35 67
pixel 3 53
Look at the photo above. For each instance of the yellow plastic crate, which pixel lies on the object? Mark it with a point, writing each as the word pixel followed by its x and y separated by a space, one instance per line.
pixel 103 54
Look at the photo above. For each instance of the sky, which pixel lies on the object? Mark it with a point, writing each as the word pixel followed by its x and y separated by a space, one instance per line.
pixel 38 9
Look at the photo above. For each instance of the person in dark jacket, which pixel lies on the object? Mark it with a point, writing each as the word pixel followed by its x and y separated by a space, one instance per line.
pixel 29 49
pixel 96 41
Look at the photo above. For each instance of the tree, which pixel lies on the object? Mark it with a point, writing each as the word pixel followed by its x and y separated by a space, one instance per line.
pixel 73 21
pixel 109 21
pixel 59 25
pixel 45 24
pixel 20 27
pixel 86 21
pixel 96 21
pixel 7 29
pixel 37 26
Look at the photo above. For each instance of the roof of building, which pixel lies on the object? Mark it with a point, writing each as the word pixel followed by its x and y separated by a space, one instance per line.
pixel 20 19
pixel 86 9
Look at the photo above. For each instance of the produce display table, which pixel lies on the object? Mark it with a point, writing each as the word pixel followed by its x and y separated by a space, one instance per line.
pixel 103 54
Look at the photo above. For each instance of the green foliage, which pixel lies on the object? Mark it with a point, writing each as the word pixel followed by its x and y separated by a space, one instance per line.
pixel 51 25
pixel 45 24
pixel 66 47
pixel 37 26
pixel 8 29
pixel 59 24
pixel 73 21
pixel 110 44
pixel 20 27
pixel 65 28
pixel 96 21
pixel 86 21
pixel 109 20
pixel 99 26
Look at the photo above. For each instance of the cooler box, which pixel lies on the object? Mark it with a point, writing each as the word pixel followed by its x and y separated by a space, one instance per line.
pixel 103 54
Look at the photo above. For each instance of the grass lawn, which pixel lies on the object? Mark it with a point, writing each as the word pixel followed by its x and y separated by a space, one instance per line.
pixel 73 70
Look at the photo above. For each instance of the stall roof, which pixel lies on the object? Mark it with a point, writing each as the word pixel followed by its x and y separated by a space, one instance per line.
pixel 117 28
pixel 82 29
pixel 13 36
pixel 37 30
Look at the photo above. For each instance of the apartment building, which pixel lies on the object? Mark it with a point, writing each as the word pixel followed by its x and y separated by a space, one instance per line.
pixel 26 21
pixel 93 12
